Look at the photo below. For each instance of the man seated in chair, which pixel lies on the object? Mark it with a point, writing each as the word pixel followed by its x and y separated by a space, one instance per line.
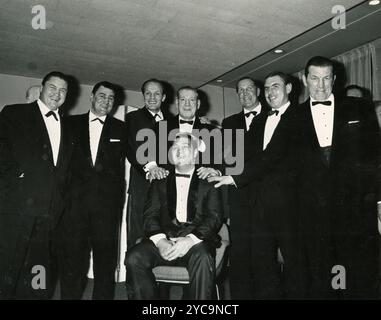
pixel 182 217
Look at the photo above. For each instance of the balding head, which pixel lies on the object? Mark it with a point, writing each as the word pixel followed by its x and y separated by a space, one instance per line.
pixel 33 93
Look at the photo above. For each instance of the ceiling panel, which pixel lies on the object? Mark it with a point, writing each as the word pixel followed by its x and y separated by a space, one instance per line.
pixel 127 41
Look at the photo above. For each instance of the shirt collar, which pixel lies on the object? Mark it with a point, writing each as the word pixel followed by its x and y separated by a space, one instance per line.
pixel 257 108
pixel 44 109
pixel 193 119
pixel 330 98
pixel 159 113
pixel 283 108
pixel 92 116
pixel 188 172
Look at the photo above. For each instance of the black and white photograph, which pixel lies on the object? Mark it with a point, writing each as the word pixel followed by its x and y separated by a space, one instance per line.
pixel 207 152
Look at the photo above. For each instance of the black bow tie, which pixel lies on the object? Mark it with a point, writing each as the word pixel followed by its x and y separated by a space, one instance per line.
pixel 51 113
pixel 271 112
pixel 182 175
pixel 101 121
pixel 186 121
pixel 326 103
pixel 254 113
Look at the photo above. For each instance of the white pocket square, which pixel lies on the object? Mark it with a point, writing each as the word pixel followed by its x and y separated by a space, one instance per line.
pixel 114 140
pixel 22 175
pixel 353 121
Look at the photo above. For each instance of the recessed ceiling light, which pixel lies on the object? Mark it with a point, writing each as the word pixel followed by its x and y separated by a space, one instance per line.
pixel 278 51
pixel 219 80
pixel 374 2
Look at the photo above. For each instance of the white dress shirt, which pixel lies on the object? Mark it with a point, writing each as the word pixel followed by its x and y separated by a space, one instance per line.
pixel 250 118
pixel 271 124
pixel 95 131
pixel 158 116
pixel 323 117
pixel 186 127
pixel 182 192
pixel 53 127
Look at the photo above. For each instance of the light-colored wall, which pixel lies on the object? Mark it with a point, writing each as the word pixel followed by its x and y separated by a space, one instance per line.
pixel 232 104
pixel 13 88
pixel 223 102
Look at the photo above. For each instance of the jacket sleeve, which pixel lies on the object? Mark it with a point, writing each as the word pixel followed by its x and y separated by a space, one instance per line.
pixel 209 222
pixel 152 209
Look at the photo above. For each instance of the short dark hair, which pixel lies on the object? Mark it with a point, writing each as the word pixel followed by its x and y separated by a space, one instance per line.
pixel 105 84
pixel 355 87
pixel 255 82
pixel 143 88
pixel 284 76
pixel 319 61
pixel 56 74
pixel 186 88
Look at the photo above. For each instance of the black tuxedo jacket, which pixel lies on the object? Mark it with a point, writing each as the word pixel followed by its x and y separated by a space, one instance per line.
pixel 204 210
pixel 30 184
pixel 136 120
pixel 235 122
pixel 105 179
pixel 211 144
pixel 346 190
pixel 271 173
pixel 32 189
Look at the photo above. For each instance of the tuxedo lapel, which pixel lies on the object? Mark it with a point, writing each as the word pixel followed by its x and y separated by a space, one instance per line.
pixel 171 195
pixel 283 123
pixel 337 125
pixel 314 140
pixel 192 198
pixel 149 116
pixel 83 136
pixel 197 124
pixel 103 139
pixel 63 143
pixel 39 127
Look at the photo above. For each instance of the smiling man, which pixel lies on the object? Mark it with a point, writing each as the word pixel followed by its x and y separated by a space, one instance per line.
pixel 96 197
pixel 240 273
pixel 182 217
pixel 270 174
pixel 187 120
pixel 144 118
pixel 34 156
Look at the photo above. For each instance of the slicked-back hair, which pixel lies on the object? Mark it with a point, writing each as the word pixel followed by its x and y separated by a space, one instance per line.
pixel 285 77
pixel 255 82
pixel 56 74
pixel 105 84
pixel 186 88
pixel 152 80
pixel 319 61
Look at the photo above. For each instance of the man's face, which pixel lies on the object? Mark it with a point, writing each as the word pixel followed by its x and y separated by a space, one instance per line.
pixel 102 101
pixel 319 82
pixel 153 96
pixel 276 92
pixel 248 94
pixel 187 103
pixel 53 93
pixel 182 152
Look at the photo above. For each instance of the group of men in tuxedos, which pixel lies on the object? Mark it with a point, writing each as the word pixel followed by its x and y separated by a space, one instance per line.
pixel 312 178
pixel 307 197
pixel 62 190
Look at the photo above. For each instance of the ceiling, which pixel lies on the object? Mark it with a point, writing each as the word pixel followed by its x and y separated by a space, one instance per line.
pixel 184 42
